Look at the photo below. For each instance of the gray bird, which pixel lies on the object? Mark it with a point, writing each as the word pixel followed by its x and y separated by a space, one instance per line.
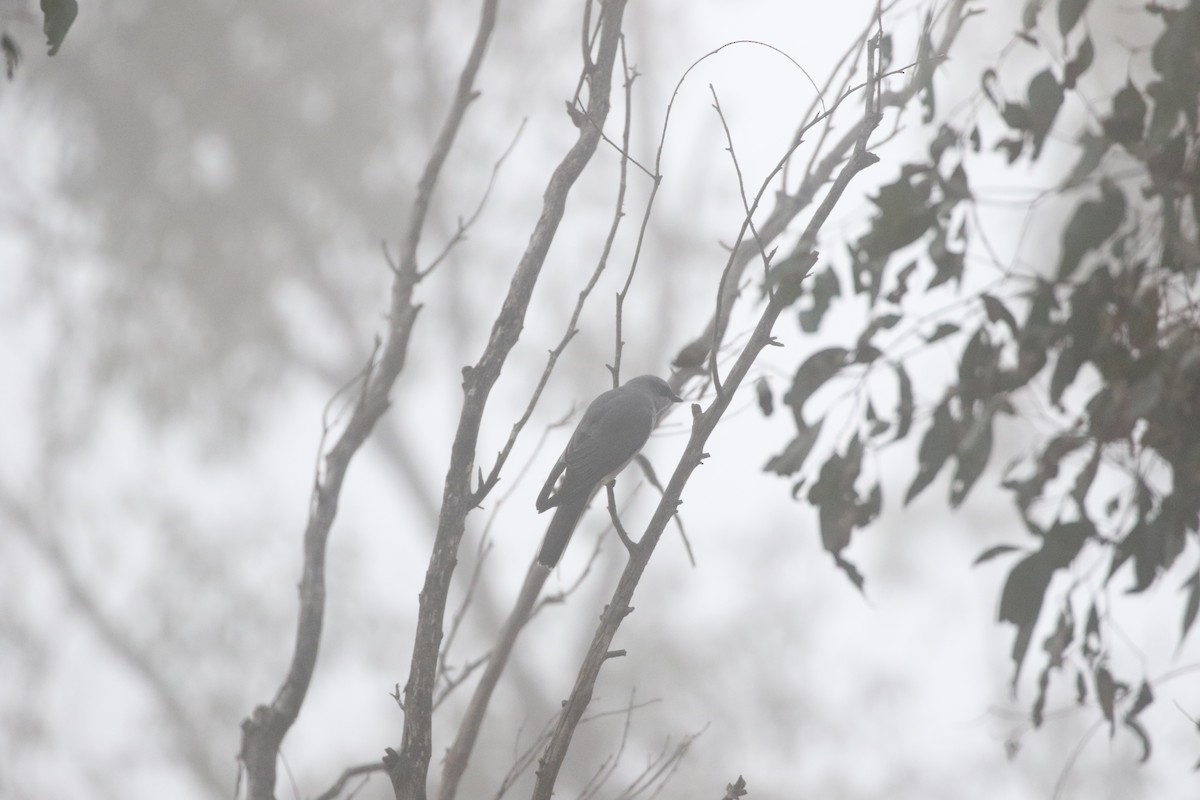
pixel 614 428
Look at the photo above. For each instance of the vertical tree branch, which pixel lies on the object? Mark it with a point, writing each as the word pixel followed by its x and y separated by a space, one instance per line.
pixel 408 767
pixel 787 275
pixel 263 731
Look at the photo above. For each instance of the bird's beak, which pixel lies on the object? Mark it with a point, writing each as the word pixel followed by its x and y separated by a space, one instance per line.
pixel 676 398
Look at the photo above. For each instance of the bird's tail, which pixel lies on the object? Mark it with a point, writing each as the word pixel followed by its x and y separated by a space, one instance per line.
pixel 562 525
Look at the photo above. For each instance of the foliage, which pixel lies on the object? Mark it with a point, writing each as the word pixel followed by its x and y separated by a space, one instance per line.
pixel 1107 333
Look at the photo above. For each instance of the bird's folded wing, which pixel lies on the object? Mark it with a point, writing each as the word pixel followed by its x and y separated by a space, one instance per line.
pixel 546 498
pixel 606 442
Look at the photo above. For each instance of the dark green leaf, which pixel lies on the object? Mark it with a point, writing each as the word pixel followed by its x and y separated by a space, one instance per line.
pixel 811 376
pixel 1069 12
pixel 1092 224
pixel 58 14
pixel 992 552
pixel 1045 99
pixel 904 409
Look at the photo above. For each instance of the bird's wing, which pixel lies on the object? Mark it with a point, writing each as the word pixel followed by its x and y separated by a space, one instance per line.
pixel 547 498
pixel 613 429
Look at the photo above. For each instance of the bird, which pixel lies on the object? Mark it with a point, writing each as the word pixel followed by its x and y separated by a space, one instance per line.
pixel 612 430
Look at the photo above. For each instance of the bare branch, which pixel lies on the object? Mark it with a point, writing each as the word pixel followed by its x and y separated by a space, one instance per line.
pixel 348 774
pixel 788 275
pixel 464 226
pixel 408 767
pixel 264 730
pixel 693 355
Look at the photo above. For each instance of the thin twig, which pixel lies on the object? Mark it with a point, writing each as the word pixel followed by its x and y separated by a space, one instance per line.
pixel 348 774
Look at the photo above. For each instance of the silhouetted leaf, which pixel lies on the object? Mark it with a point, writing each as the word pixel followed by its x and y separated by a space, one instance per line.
pixel 811 376
pixel 904 408
pixel 1106 695
pixel 943 330
pixel 1128 119
pixel 12 54
pixel 825 287
pixel 1090 226
pixel 1029 14
pixel 904 214
pixel 766 401
pixel 1069 12
pixel 924 53
pixel 851 572
pixel 1094 148
pixel 839 509
pixel 998 312
pixel 1191 605
pixel 992 552
pixel 1025 589
pixel 1079 64
pixel 1092 642
pixel 1083 481
pixel 949 263
pixel 1136 728
pixel 1065 370
pixel 793 456
pixel 936 446
pixel 1142 701
pixel 973 453
pixel 1016 116
pixel 897 294
pixel 1012 148
pixel 59 14
pixel 1045 99
pixel 977 368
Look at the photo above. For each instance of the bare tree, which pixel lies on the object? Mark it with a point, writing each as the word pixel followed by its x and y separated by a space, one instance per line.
pixel 832 163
